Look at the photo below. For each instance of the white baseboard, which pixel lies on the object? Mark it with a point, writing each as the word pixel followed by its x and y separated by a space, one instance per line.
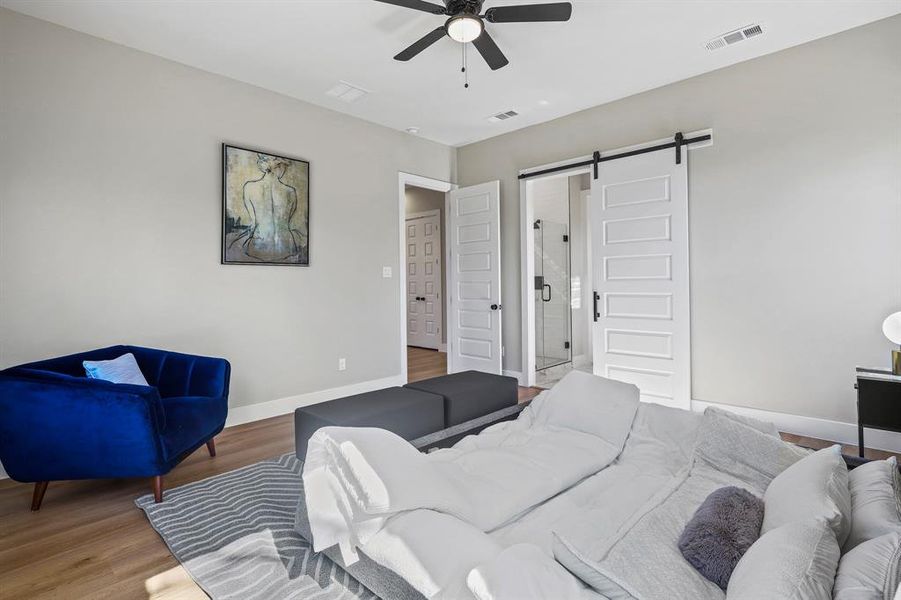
pixel 824 429
pixel 283 406
pixel 515 374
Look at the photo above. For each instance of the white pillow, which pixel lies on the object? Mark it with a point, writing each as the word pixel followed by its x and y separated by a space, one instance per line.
pixel 875 501
pixel 794 562
pixel 119 370
pixel 815 486
pixel 871 571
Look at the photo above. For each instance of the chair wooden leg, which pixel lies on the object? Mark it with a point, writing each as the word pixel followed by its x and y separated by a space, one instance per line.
pixel 39 488
pixel 158 489
pixel 211 446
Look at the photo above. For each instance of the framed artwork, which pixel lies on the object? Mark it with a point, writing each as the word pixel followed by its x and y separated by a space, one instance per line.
pixel 265 208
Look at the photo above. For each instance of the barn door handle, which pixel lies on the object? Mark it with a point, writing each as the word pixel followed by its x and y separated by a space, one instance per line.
pixel 548 299
pixel 596 313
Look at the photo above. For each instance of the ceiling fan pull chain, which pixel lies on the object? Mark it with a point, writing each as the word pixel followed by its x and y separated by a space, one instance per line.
pixel 465 72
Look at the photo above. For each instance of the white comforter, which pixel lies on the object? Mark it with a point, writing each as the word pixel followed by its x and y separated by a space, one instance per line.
pixel 356 479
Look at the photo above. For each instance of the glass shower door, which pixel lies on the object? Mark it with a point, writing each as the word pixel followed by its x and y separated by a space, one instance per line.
pixel 553 327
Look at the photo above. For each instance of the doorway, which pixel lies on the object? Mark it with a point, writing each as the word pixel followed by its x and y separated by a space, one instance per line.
pixel 470 302
pixel 634 296
pixel 426 288
pixel 559 232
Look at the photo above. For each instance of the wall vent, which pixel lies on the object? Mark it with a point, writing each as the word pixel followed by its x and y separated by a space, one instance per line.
pixel 733 37
pixel 503 116
pixel 347 92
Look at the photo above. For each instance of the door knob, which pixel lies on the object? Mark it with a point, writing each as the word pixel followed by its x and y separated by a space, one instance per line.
pixel 496 307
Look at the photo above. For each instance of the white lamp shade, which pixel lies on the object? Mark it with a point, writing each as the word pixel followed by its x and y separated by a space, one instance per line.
pixel 891 327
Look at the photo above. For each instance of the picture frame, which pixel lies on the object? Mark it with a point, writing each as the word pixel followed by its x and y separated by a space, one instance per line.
pixel 265 208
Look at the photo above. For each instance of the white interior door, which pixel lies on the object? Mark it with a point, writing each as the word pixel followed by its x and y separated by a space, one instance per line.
pixel 639 221
pixel 424 300
pixel 474 322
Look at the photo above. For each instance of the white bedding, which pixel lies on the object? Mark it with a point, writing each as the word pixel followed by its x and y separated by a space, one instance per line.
pixel 585 466
pixel 357 478
pixel 658 448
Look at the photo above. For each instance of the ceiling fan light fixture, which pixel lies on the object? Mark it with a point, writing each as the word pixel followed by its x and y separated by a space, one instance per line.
pixel 465 28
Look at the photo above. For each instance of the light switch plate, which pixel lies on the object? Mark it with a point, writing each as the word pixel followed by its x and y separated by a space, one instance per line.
pixel 386 272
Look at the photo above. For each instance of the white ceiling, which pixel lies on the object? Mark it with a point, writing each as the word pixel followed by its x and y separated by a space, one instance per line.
pixel 302 48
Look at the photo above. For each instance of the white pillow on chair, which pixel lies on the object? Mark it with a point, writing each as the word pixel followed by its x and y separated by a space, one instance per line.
pixel 118 370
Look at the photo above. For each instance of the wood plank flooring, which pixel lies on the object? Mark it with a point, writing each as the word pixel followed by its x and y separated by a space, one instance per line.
pixel 423 363
pixel 89 540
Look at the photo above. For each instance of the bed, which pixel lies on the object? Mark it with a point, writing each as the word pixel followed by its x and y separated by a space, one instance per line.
pixel 586 494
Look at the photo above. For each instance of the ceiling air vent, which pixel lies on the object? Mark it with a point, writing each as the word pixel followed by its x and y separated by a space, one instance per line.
pixel 503 116
pixel 347 92
pixel 733 37
pixel 752 31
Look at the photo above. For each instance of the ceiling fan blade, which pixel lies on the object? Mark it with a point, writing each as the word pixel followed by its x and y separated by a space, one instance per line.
pixel 530 13
pixel 490 52
pixel 420 45
pixel 428 7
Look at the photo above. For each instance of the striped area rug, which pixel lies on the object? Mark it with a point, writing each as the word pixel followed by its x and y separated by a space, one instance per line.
pixel 234 534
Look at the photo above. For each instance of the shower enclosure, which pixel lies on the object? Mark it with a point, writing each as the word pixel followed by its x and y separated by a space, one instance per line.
pixel 553 317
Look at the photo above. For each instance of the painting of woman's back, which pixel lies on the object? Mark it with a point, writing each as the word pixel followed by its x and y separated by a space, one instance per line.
pixel 266 208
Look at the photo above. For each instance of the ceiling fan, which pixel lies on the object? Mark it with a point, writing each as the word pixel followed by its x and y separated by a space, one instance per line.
pixel 467 25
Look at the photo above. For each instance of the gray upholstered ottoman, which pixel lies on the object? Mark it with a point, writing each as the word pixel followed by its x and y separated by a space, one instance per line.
pixel 470 394
pixel 407 412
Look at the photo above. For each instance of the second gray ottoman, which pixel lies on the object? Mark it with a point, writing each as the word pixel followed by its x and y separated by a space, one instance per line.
pixel 470 394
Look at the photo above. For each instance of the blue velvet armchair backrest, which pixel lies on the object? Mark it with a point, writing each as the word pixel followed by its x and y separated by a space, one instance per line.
pixel 172 373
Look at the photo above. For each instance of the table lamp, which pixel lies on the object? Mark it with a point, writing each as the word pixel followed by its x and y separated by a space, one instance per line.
pixel 891 327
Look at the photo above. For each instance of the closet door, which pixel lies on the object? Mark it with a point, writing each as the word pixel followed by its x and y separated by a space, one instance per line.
pixel 639 222
pixel 424 281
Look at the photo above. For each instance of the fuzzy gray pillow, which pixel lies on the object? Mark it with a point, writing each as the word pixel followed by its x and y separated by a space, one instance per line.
pixel 721 531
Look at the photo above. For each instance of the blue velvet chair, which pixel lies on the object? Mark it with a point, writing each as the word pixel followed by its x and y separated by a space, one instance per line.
pixel 57 424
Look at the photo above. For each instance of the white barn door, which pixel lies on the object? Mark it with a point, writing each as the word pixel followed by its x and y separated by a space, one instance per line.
pixel 474 319
pixel 639 221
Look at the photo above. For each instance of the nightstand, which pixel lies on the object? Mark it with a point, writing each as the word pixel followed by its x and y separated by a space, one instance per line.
pixel 878 402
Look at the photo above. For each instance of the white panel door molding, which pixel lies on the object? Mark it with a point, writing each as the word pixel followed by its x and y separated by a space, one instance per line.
pixel 639 223
pixel 424 298
pixel 474 319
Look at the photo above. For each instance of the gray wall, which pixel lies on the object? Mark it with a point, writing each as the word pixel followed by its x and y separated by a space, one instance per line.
pixel 420 200
pixel 795 214
pixel 110 187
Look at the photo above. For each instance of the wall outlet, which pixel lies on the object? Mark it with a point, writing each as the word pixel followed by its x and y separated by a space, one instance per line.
pixel 342 364
pixel 386 272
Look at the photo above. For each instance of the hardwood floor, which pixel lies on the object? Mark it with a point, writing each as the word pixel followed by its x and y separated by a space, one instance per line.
pixel 89 540
pixel 423 363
